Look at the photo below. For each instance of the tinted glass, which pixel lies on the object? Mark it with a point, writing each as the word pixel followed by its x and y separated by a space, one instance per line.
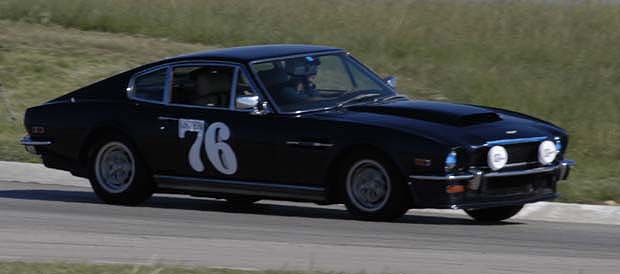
pixel 207 86
pixel 151 86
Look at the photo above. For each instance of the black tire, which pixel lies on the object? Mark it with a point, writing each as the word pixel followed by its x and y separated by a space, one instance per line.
pixel 242 200
pixel 378 203
pixel 493 214
pixel 137 184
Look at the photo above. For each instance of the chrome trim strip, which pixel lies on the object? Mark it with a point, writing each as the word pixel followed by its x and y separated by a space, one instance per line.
pixel 476 182
pixel 220 186
pixel 309 144
pixel 511 141
pixel 563 166
pixel 569 163
pixel 520 164
pixel 507 165
pixel 233 89
pixel 30 142
pixel 521 172
pixel 283 186
pixel 442 178
pixel 164 118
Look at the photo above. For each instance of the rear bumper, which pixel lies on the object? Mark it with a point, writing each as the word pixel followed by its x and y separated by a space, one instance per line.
pixel 34 147
pixel 478 189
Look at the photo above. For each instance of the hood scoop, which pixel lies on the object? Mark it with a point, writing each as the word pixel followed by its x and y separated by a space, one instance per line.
pixel 437 112
pixel 475 119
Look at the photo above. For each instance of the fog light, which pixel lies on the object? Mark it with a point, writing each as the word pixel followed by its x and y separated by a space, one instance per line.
pixel 547 151
pixel 497 157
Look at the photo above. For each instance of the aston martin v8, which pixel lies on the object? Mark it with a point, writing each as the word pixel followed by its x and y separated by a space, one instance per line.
pixel 294 122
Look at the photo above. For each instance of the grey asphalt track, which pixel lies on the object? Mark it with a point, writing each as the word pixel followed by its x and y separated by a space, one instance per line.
pixel 43 222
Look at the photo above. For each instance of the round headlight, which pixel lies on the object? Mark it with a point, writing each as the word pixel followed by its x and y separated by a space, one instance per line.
pixel 497 157
pixel 547 151
pixel 451 161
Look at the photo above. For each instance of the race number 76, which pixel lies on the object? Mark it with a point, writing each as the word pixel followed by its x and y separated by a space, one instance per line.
pixel 219 153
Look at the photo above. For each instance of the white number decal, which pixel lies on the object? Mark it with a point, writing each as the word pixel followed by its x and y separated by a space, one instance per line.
pixel 197 126
pixel 219 153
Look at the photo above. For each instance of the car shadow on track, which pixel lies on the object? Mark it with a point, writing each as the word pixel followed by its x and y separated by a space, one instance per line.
pixel 203 204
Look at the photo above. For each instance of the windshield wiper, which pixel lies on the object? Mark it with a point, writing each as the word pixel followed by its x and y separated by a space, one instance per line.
pixel 357 98
pixel 397 96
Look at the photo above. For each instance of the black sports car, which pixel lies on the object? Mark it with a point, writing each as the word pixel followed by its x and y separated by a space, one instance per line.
pixel 294 122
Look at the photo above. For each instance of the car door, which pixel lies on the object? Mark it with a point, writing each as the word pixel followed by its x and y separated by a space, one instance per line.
pixel 306 143
pixel 148 93
pixel 214 139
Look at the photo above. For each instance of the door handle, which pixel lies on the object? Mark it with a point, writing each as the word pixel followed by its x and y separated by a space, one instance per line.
pixel 164 118
pixel 308 144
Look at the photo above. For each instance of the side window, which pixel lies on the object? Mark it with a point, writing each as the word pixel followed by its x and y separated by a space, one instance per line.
pixel 150 86
pixel 207 86
pixel 243 88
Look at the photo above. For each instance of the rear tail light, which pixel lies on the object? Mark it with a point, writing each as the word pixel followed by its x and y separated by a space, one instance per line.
pixel 38 130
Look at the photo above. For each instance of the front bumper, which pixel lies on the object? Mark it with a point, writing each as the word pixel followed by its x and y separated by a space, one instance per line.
pixel 480 189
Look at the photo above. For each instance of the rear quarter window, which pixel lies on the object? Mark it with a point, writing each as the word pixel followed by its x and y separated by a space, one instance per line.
pixel 150 86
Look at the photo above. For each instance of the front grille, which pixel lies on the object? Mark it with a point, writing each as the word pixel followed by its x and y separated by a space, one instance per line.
pixel 517 153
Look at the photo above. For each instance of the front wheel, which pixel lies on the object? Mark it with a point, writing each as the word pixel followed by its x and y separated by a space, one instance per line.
pixel 494 214
pixel 374 190
pixel 118 175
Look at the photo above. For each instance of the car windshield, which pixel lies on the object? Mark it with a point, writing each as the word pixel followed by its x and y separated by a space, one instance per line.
pixel 319 81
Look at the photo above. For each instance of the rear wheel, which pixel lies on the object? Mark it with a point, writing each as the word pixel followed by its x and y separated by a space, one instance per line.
pixel 493 214
pixel 374 190
pixel 117 174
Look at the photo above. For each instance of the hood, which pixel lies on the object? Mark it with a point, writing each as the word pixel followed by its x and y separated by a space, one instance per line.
pixel 436 112
pixel 447 123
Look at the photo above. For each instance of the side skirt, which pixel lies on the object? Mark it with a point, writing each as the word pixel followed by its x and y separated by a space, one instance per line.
pixel 268 190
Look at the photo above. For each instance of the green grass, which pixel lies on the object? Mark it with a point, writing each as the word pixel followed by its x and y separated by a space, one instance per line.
pixel 38 63
pixel 75 268
pixel 557 62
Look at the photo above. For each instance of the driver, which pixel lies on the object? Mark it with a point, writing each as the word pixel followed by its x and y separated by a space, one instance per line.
pixel 302 74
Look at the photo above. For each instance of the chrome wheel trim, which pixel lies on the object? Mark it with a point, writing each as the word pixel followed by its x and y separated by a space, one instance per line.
pixel 368 185
pixel 115 167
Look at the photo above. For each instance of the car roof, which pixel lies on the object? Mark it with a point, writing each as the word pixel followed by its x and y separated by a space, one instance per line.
pixel 258 52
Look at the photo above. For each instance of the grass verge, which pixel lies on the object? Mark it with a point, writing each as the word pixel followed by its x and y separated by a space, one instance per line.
pixel 553 61
pixel 38 63
pixel 75 268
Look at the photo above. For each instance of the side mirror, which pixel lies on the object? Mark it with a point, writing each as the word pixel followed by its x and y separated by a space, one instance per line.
pixel 261 109
pixel 390 81
pixel 247 102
